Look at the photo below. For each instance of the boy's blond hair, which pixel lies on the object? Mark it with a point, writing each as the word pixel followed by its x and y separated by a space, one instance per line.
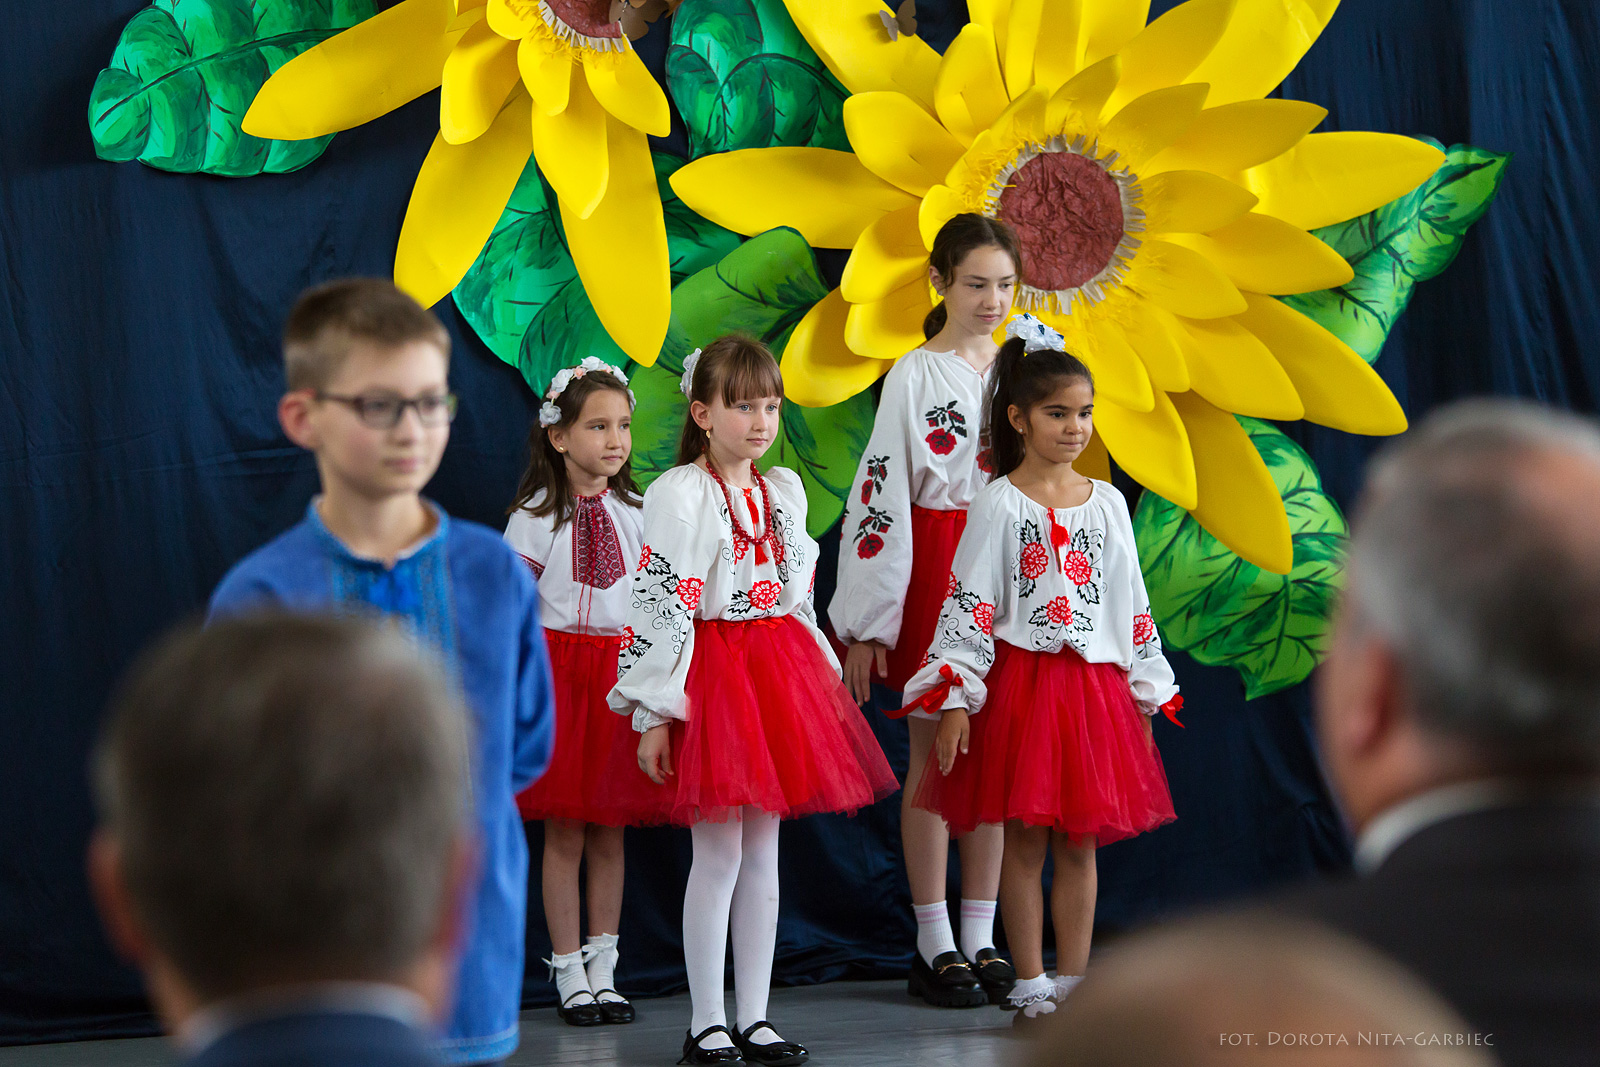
pixel 329 318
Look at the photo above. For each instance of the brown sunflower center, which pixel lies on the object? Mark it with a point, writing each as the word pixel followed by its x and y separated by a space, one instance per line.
pixel 1067 212
pixel 592 18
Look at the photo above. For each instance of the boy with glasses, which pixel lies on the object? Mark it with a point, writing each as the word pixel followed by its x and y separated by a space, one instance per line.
pixel 368 394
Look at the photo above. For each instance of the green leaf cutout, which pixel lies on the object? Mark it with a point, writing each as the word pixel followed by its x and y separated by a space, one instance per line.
pixel 185 72
pixel 743 77
pixel 1225 612
pixel 523 296
pixel 762 288
pixel 1402 243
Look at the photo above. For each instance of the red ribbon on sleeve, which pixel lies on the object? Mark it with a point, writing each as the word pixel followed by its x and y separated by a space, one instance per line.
pixel 1171 708
pixel 933 699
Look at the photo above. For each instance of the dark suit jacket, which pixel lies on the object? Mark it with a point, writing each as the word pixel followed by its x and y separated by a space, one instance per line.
pixel 1498 910
pixel 319 1040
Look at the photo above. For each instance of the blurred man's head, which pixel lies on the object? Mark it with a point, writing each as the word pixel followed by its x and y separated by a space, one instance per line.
pixel 1468 641
pixel 283 802
pixel 1253 990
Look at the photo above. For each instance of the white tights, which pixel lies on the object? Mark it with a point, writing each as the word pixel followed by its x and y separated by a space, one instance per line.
pixel 733 882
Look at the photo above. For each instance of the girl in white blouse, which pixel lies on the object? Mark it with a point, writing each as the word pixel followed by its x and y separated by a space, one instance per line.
pixel 734 690
pixel 923 465
pixel 1044 658
pixel 578 525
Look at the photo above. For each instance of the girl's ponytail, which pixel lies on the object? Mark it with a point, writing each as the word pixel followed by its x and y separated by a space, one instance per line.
pixel 935 321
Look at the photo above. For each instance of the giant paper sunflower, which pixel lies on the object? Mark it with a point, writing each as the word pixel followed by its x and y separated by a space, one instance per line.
pixel 554 78
pixel 1161 203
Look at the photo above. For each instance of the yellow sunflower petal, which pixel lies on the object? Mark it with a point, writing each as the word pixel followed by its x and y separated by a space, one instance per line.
pixel 1058 56
pixel 1338 387
pixel 1153 334
pixel 1167 50
pixel 993 15
pixel 1119 374
pixel 969 94
pixel 1191 201
pixel 1267 255
pixel 479 75
pixel 620 248
pixel 1331 177
pixel 1083 98
pixel 937 208
pixel 850 38
pixel 1183 281
pixel 547 73
pixel 829 196
pixel 468 5
pixel 1094 461
pixel 891 327
pixel 459 195
pixel 1264 42
pixel 888 255
pixel 625 88
pixel 571 147
pixel 511 19
pixel 1152 447
pixel 1236 372
pixel 1107 25
pixel 355 76
pixel 819 370
pixel 899 141
pixel 1239 503
pixel 1234 137
pixel 1152 122
pixel 1022 43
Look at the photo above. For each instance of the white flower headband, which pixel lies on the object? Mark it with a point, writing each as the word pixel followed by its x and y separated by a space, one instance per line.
pixel 1036 336
pixel 690 361
pixel 550 414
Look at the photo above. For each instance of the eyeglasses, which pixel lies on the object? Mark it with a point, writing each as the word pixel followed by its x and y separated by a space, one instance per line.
pixel 385 412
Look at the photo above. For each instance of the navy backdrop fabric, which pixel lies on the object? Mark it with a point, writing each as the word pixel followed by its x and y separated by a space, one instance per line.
pixel 140 456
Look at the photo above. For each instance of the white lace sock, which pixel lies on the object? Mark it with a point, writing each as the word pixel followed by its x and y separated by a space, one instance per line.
pixel 934 936
pixel 600 952
pixel 977 926
pixel 570 978
pixel 1065 983
pixel 754 921
pixel 1034 996
pixel 707 899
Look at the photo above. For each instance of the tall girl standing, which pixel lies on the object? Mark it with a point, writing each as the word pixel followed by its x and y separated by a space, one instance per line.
pixel 577 523
pixel 922 466
pixel 734 690
pixel 1046 666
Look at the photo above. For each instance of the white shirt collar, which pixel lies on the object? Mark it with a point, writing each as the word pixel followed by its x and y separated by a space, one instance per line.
pixel 215 1021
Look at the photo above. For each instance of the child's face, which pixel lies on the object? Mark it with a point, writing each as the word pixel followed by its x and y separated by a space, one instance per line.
pixel 978 298
pixel 599 439
pixel 1058 428
pixel 743 430
pixel 379 462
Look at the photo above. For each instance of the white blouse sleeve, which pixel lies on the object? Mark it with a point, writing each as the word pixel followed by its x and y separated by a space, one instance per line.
pixel 875 534
pixel 1150 675
pixel 531 538
pixel 963 642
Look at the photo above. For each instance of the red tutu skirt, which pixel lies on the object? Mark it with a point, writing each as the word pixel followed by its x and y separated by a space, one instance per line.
pixel 1059 743
pixel 770 725
pixel 594 745
pixel 934 536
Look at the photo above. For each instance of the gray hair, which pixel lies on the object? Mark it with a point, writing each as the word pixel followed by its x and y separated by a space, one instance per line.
pixel 1476 556
pixel 287 794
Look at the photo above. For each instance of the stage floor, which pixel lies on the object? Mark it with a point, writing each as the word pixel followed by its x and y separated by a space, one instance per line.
pixel 851 1024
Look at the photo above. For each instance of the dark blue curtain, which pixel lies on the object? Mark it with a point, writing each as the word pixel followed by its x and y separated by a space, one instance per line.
pixel 140 456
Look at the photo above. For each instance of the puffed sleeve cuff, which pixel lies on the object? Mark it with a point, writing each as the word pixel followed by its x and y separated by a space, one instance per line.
pixel 1170 709
pixel 645 719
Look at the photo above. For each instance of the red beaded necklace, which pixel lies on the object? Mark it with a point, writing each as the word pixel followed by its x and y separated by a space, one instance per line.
pixel 742 540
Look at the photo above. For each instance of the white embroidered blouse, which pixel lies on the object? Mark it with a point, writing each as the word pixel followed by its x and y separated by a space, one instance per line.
pixel 585 569
pixel 924 451
pixel 693 567
pixel 1043 579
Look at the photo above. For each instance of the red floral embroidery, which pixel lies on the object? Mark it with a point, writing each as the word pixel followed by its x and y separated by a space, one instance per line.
pixel 986 461
pixel 764 594
pixel 689 592
pixel 1144 628
pixel 983 615
pixel 869 546
pixel 952 587
pixel 1059 611
pixel 628 638
pixel 1077 568
pixel 943 442
pixel 1035 560
pixel 644 559
pixel 866 491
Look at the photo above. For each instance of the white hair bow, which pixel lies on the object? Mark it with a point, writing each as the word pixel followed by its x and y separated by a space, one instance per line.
pixel 690 361
pixel 1036 336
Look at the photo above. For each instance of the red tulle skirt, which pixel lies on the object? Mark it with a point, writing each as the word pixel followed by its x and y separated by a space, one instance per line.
pixel 594 745
pixel 934 536
pixel 770 725
pixel 1060 743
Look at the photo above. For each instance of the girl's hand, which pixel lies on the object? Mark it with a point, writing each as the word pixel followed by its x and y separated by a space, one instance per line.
pixel 655 753
pixel 858 665
pixel 955 727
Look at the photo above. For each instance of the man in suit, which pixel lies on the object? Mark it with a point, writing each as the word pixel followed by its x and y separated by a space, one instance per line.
pixel 1459 720
pixel 284 847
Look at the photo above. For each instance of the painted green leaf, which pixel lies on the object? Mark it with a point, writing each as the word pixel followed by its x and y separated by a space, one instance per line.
pixel 523 296
pixel 1402 243
pixel 185 72
pixel 743 77
pixel 1223 611
pixel 762 288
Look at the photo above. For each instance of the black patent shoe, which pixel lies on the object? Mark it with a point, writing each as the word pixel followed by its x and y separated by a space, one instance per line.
pixel 583 1014
pixel 693 1053
pixel 995 975
pixel 615 1011
pixel 948 983
pixel 772 1054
